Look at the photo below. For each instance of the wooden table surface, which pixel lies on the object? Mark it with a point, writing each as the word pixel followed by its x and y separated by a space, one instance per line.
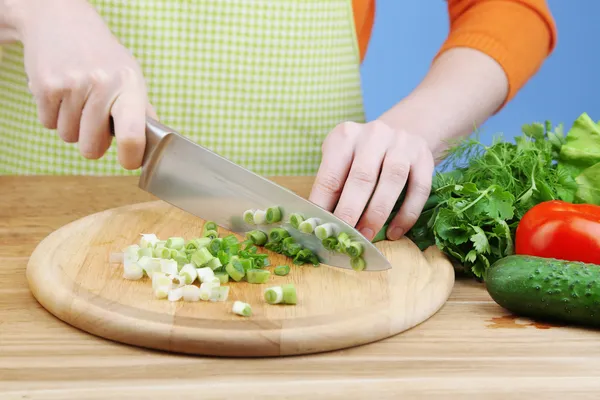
pixel 470 349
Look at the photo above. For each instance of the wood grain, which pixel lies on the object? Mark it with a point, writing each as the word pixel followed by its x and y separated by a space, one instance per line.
pixel 470 349
pixel 69 274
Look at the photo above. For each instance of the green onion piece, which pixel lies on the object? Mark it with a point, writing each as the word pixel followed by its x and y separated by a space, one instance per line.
pixel 223 257
pixel 326 230
pixel 162 252
pixel 241 308
pixel 205 274
pixel 189 273
pixel 357 263
pixel 273 214
pixel 278 234
pixel 296 220
pixel 169 267
pixel 257 237
pixel 281 270
pixel 258 276
pixel 230 244
pixel 219 293
pixel 214 263
pixel 148 240
pixel 201 257
pixel 261 262
pixel 260 217
pixel 305 256
pixel 330 243
pixel 145 252
pixel 175 243
pixel 214 246
pixel 223 277
pixel 196 244
pixel 211 234
pixel 132 271
pixel 209 226
pixel 309 225
pixel 289 247
pixel 284 294
pixel 149 264
pixel 247 263
pixel 235 270
pixel 160 244
pixel 173 253
pixel 276 247
pixel 181 260
pixel 249 217
pixel 355 249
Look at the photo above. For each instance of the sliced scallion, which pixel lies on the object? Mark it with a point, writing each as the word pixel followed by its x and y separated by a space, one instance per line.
pixel 289 293
pixel 145 252
pixel 219 293
pixel 175 294
pixel 196 244
pixel 205 274
pixel 161 252
pixel 257 237
pixel 131 253
pixel 249 217
pixel 211 234
pixel 241 308
pixel 258 276
pixel 260 217
pixel 223 277
pixel 175 243
pixel 206 290
pixel 235 270
pixel 354 249
pixel 273 215
pixel 214 263
pixel 357 263
pixel 273 295
pixel 330 243
pixel 191 293
pixel 189 273
pixel 209 226
pixel 148 240
pixel 296 219
pixel 215 246
pixel 281 270
pixel 326 230
pixel 169 266
pixel 278 234
pixel 149 264
pixel 133 271
pixel 201 257
pixel 309 225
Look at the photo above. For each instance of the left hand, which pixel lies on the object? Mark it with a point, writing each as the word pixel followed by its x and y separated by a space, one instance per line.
pixel 360 160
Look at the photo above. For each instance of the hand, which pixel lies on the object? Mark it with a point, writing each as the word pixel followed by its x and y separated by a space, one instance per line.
pixel 80 75
pixel 360 160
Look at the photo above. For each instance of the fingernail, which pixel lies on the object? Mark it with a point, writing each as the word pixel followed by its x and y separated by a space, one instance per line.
pixel 396 233
pixel 367 232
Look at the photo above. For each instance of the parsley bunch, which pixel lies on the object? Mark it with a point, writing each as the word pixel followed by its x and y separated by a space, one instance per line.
pixel 481 193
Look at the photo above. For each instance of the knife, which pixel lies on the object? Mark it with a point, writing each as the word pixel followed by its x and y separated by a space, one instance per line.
pixel 207 185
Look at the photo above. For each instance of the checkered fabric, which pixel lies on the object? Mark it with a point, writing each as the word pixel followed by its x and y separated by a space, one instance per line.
pixel 260 82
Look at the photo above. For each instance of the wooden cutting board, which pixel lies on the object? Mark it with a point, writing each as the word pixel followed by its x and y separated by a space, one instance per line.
pixel 70 275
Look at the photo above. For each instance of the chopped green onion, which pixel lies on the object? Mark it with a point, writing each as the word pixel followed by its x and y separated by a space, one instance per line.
pixel 257 237
pixel 206 289
pixel 162 252
pixel 214 263
pixel 175 243
pixel 219 293
pixel 289 247
pixel 160 244
pixel 168 266
pixel 260 217
pixel 278 234
pixel 235 270
pixel 148 240
pixel 258 276
pixel 132 253
pixel 145 252
pixel 201 257
pixel 305 256
pixel 249 217
pixel 281 270
pixel 181 259
pixel 326 230
pixel 215 246
pixel 196 244
pixel 309 225
pixel 296 220
pixel 276 247
pixel 223 257
pixel 149 264
pixel 211 234
pixel 205 274
pixel 284 294
pixel 355 249
pixel 230 244
pixel 133 271
pixel 330 243
pixel 189 273
pixel 209 226
pixel 357 263
pixel 273 215
pixel 247 263
pixel 223 277
pixel 191 293
pixel 175 294
pixel 241 308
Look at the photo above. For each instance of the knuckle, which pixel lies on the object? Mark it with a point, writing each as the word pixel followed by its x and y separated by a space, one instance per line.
pixel 380 127
pixel 362 176
pixel 421 189
pixel 98 78
pixel 379 212
pixel 346 214
pixel 330 183
pixel 398 172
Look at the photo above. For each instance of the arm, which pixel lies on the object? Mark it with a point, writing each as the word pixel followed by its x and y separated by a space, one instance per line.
pixel 493 48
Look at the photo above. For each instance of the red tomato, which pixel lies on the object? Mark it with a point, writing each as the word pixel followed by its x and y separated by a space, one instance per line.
pixel 556 229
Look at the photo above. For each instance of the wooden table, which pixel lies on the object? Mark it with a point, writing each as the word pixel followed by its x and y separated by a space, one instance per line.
pixel 471 349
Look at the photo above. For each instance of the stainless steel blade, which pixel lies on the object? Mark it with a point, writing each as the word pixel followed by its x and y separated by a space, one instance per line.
pixel 211 187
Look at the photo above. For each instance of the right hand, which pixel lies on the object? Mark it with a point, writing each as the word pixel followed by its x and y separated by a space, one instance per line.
pixel 80 75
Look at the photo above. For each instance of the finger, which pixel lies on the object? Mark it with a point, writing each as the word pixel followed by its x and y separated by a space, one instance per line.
pixel 129 116
pixel 69 114
pixel 393 177
pixel 338 151
pixel 417 193
pixel 363 176
pixel 48 95
pixel 94 132
pixel 151 112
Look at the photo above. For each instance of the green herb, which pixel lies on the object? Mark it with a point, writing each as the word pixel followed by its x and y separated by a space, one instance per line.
pixel 281 270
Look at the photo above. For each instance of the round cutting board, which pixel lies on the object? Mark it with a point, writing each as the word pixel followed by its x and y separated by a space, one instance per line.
pixel 70 275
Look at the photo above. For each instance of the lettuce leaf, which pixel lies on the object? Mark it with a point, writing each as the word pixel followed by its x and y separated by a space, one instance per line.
pixel 588 185
pixel 581 148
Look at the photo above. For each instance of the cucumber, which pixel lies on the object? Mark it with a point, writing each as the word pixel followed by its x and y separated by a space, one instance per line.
pixel 546 288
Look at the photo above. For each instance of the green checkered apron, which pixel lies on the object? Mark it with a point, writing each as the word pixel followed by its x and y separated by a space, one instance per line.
pixel 261 82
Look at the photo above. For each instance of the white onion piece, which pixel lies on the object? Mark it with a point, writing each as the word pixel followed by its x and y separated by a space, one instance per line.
pixel 169 266
pixel 148 240
pixel 133 272
pixel 191 293
pixel 205 274
pixel 175 294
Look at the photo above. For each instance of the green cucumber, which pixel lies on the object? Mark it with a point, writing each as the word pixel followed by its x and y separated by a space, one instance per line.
pixel 546 288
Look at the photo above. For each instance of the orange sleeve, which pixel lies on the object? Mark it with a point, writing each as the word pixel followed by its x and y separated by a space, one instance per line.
pixel 364 15
pixel 518 34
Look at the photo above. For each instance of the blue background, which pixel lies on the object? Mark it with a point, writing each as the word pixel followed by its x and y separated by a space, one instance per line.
pixel 408 33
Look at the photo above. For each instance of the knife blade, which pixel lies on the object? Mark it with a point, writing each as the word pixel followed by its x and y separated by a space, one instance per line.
pixel 207 185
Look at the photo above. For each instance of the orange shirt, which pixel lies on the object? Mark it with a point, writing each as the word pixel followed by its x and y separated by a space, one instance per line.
pixel 518 34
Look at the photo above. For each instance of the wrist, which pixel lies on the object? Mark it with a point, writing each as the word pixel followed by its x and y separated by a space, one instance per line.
pixel 12 13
